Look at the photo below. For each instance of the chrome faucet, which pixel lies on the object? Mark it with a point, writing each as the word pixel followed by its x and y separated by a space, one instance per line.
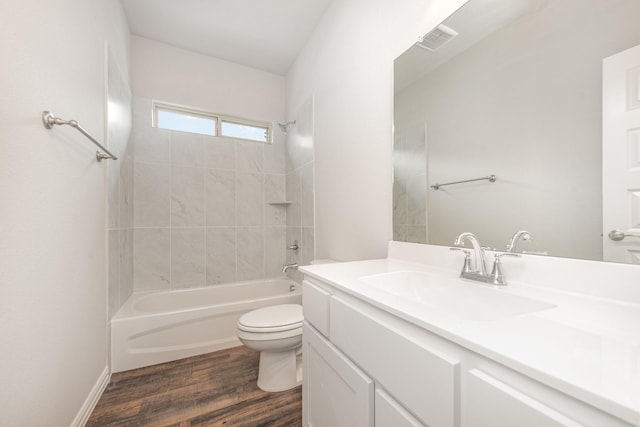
pixel 293 266
pixel 478 264
pixel 476 269
pixel 517 236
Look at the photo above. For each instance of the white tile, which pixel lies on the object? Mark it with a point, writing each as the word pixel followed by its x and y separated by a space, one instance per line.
pixel 187 257
pixel 250 199
pixel 294 195
pixel 187 149
pixel 275 246
pixel 126 264
pixel 299 149
pixel 249 156
pixel 308 245
pixel 294 234
pixel 187 196
pixel 220 153
pixel 274 154
pixel 417 200
pixel 113 197
pixel 220 197
pixel 151 259
pixel 151 195
pixel 151 145
pixel 399 201
pixel 250 253
pixel 221 255
pixel 274 191
pixel 306 195
pixel 417 234
pixel 304 131
pixel 142 113
pixel 125 204
pixel 400 233
pixel 113 281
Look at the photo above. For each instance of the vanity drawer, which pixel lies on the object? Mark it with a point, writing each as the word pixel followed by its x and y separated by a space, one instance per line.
pixel 315 305
pixel 494 403
pixel 422 379
pixel 496 396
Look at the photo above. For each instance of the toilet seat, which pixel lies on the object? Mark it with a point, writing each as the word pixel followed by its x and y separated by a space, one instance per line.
pixel 276 318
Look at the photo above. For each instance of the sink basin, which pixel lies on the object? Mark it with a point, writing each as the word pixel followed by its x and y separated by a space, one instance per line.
pixel 473 301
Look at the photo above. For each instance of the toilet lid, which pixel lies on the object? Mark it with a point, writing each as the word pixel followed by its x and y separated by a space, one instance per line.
pixel 274 318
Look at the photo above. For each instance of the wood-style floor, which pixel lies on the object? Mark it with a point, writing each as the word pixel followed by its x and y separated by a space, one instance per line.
pixel 215 389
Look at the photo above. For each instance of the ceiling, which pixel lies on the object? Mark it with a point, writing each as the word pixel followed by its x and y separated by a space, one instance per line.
pixel 267 35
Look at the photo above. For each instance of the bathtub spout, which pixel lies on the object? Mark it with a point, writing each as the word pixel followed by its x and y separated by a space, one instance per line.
pixel 286 267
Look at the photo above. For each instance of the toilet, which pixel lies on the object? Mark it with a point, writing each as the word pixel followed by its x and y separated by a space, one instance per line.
pixel 276 332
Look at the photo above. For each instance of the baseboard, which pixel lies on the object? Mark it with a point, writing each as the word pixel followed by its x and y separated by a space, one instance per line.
pixel 92 400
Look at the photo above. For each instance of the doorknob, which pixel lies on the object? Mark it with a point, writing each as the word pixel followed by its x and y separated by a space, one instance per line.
pixel 617 235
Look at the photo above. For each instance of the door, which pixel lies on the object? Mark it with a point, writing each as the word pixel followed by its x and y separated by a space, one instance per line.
pixel 621 156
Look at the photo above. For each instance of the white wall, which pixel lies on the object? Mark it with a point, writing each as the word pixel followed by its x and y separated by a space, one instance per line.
pixel 166 73
pixel 348 66
pixel 53 298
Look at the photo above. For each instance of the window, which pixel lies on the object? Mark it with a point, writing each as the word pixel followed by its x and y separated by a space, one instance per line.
pixel 185 119
pixel 245 131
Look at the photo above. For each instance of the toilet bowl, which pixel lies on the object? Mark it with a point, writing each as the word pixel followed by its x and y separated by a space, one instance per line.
pixel 276 332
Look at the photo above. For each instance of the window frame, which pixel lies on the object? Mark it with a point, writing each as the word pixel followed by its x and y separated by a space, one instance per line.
pixel 218 118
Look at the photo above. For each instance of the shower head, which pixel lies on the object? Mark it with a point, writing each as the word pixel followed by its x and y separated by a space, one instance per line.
pixel 283 127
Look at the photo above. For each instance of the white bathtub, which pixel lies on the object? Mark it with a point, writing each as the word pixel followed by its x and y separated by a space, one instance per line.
pixel 160 326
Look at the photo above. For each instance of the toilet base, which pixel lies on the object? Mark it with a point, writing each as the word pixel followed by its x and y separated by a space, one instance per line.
pixel 279 371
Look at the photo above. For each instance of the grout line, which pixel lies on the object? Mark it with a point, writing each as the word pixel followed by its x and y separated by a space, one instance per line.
pixel 170 211
pixel 204 208
pixel 235 202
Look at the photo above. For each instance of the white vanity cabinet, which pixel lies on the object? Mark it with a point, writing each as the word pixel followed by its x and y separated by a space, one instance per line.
pixel 366 367
pixel 336 392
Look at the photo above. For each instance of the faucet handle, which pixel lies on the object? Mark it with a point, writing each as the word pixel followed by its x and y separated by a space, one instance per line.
pixel 466 267
pixel 496 273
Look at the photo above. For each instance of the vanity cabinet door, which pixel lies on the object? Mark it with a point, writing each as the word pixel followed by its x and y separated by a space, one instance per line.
pixel 390 413
pixel 491 402
pixel 335 392
pixel 424 379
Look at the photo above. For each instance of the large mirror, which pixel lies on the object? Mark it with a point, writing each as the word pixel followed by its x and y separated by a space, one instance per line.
pixel 514 89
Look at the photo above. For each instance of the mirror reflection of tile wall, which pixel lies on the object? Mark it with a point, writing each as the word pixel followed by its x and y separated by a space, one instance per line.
pixel 410 184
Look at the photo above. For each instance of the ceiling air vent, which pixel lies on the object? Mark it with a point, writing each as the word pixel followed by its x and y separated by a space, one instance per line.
pixel 437 37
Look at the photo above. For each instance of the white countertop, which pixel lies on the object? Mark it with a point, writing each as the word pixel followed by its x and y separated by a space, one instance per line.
pixel 586 346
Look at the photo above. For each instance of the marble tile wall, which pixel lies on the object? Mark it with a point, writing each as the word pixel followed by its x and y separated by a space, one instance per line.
pixel 201 214
pixel 120 191
pixel 299 189
pixel 410 185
